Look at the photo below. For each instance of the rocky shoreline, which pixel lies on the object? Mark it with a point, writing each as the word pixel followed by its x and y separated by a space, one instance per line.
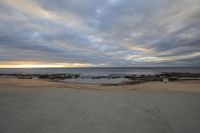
pixel 131 79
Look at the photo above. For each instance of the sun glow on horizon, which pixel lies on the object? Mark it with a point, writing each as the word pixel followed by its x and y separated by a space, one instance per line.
pixel 43 65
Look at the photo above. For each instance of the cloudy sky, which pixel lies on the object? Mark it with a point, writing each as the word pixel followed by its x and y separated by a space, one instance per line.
pixel 81 33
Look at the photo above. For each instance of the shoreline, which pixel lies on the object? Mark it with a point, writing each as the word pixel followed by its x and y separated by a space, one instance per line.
pixel 156 86
pixel 109 79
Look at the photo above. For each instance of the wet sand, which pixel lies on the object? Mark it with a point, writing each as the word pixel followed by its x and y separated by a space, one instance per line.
pixel 36 106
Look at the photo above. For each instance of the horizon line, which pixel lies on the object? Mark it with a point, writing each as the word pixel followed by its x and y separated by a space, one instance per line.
pixel 95 67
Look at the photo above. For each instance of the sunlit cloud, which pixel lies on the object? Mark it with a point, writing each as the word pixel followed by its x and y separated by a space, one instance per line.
pixel 163 59
pixel 136 48
pixel 29 7
pixel 43 65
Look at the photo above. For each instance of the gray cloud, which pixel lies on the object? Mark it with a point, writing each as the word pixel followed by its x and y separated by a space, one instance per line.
pixel 108 32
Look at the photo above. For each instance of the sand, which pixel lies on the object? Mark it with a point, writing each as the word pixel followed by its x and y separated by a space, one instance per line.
pixel 178 86
pixel 37 106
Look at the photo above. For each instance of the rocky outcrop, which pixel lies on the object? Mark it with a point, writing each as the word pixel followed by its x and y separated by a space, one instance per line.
pixel 132 79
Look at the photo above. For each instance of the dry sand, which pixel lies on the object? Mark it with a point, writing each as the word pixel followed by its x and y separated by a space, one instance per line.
pixel 37 106
pixel 178 86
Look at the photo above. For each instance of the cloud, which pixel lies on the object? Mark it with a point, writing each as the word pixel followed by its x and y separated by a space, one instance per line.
pixel 101 33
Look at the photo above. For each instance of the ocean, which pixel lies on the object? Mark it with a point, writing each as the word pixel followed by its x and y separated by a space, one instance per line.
pixel 100 70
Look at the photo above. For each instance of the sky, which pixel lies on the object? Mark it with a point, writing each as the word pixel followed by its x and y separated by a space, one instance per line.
pixel 99 33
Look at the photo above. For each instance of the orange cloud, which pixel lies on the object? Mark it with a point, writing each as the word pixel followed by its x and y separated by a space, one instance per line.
pixel 42 65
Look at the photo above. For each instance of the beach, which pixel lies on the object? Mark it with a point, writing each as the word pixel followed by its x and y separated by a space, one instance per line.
pixel 178 86
pixel 99 66
pixel 42 106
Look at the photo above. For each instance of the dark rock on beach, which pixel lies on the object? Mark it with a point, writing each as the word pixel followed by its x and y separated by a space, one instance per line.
pixel 131 79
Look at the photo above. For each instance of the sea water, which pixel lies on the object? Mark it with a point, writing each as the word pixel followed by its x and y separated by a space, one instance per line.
pixel 100 70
